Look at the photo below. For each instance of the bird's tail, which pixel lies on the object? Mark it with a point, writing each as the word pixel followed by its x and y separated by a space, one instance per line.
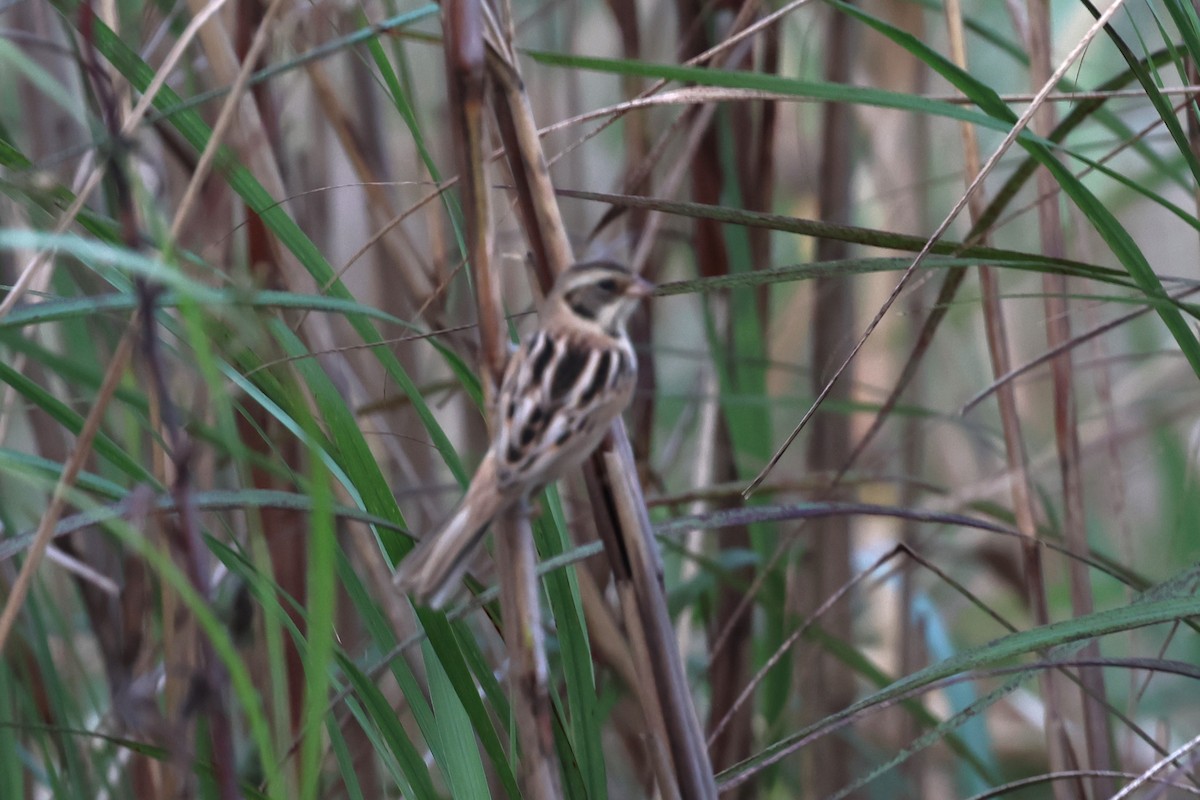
pixel 431 573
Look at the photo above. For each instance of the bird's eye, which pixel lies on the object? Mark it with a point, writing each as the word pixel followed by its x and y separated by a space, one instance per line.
pixel 608 285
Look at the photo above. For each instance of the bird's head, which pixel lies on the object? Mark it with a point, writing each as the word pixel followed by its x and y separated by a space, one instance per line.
pixel 600 293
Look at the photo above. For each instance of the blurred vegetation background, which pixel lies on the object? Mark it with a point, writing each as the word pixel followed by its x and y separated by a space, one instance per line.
pixel 239 370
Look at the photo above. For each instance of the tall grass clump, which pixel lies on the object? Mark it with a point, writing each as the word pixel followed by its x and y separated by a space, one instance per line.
pixel 905 504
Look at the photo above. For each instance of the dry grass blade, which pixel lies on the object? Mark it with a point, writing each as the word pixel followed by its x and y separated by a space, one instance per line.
pixel 543 226
pixel 1024 120
pixel 225 119
pixel 466 80
pixel 1058 332
pixel 637 571
pixel 320 203
pixel 794 637
pixel 1149 775
pixel 58 501
pixel 1013 373
pixel 1017 459
pixel 826 570
pixel 523 628
pixel 130 124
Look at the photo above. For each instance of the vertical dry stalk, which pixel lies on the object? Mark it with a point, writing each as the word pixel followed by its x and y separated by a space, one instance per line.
pixel 729 665
pixel 542 221
pixel 409 268
pixel 702 160
pixel 210 679
pixel 616 495
pixel 640 639
pixel 828 687
pixel 526 644
pixel 637 571
pixel 466 77
pixel 899 164
pixel 1015 453
pixel 1058 333
pixel 637 149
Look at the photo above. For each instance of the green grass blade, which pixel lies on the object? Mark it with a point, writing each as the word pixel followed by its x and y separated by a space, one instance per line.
pixel 198 134
pixel 574 649
pixel 1102 623
pixel 461 764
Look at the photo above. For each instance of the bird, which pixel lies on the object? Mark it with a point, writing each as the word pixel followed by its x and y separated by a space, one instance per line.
pixel 562 387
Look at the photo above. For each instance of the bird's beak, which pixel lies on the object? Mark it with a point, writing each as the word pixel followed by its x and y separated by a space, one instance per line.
pixel 640 288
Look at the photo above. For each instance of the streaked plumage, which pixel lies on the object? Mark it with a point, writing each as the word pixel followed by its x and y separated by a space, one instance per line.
pixel 569 379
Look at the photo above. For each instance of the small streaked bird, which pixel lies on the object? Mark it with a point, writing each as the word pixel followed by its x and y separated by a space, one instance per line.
pixel 569 379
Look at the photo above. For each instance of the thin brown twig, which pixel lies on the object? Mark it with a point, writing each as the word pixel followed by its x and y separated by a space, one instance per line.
pixel 738 775
pixel 786 645
pixel 29 272
pixel 1072 775
pixel 224 121
pixel 1070 344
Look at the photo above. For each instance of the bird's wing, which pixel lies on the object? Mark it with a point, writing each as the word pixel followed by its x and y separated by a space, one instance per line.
pixel 557 398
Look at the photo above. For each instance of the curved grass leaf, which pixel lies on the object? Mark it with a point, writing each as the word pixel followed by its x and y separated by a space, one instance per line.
pixel 1102 623
pixel 1103 220
pixel 198 134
